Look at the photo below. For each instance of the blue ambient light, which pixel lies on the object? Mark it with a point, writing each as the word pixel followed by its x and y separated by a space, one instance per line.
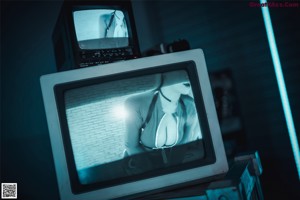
pixel 281 84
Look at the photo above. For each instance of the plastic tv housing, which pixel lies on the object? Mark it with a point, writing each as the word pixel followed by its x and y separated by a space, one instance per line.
pixel 89 33
pixel 86 115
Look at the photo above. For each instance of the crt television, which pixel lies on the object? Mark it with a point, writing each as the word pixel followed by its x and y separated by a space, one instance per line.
pixel 106 144
pixel 89 33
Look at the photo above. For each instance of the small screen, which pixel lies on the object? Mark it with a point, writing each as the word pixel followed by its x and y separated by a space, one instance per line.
pixel 133 126
pixel 101 28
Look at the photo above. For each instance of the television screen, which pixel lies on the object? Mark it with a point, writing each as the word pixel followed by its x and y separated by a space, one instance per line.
pixel 89 33
pixel 105 122
pixel 133 127
pixel 100 28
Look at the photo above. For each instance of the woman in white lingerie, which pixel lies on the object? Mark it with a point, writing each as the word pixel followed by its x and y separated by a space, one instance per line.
pixel 161 119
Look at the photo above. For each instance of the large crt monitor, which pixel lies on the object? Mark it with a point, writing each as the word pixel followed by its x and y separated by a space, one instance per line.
pixel 130 128
pixel 92 32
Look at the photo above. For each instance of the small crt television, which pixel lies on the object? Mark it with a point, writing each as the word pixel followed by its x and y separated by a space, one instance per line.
pixel 128 129
pixel 89 33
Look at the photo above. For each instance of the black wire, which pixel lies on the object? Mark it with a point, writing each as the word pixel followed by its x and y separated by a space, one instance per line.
pixel 110 22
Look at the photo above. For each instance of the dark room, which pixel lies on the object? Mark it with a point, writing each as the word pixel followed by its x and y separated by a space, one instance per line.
pixel 240 60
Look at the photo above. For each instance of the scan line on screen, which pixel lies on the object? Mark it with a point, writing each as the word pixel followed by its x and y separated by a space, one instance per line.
pixel 95 122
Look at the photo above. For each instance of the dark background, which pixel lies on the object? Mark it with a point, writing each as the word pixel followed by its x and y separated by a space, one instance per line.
pixel 232 36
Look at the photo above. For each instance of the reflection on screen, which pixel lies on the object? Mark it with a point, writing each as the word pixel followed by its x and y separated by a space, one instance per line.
pixel 111 127
pixel 100 28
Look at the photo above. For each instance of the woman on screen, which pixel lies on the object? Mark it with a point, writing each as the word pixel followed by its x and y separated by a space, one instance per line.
pixel 162 119
pixel 116 25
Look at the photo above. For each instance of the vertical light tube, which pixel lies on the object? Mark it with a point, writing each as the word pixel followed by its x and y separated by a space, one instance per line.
pixel 281 84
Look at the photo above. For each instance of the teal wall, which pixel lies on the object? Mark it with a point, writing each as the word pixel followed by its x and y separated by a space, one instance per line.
pixel 232 35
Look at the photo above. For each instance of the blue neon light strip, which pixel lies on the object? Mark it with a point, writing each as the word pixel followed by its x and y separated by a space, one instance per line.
pixel 281 85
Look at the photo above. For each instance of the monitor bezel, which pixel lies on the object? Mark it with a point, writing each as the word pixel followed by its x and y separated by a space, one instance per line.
pixel 48 83
pixel 188 66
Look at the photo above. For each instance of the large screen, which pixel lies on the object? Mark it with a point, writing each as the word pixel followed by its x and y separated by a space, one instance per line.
pixel 100 28
pixel 107 123
pixel 125 129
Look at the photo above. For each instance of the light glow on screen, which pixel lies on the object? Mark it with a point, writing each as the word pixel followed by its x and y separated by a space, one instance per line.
pixel 120 112
pixel 281 84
